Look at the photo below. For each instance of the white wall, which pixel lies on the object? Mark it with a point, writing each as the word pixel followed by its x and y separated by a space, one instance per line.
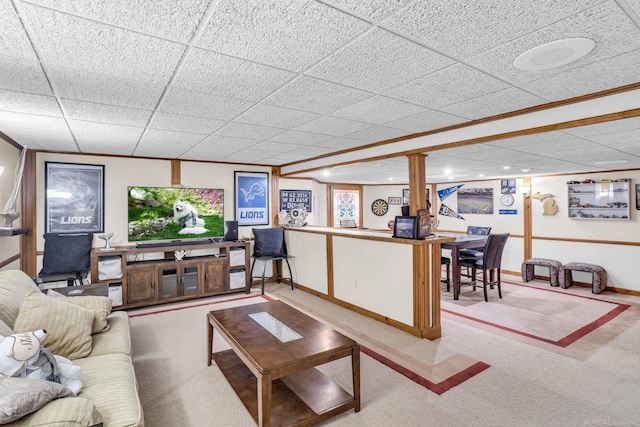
pixel 373 192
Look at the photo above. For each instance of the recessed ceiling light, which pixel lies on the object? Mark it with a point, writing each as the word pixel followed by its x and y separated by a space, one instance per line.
pixel 390 178
pixel 481 174
pixel 610 162
pixel 325 172
pixel 554 54
pixel 524 170
pixel 447 171
pixel 506 168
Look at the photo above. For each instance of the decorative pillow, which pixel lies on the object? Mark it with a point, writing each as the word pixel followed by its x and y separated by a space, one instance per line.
pixel 5 330
pixel 101 307
pixel 269 242
pixel 68 326
pixel 22 396
pixel 14 285
pixel 66 253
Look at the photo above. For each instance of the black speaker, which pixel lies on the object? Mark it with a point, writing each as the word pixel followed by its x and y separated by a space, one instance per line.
pixel 231 230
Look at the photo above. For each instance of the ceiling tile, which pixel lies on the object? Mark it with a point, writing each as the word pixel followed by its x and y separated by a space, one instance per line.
pixel 492 104
pixel 270 115
pixel 198 104
pixel 374 10
pixel 606 24
pixel 291 34
pixel 276 147
pixel 13 39
pixel 611 127
pixel 29 103
pixel 104 89
pixel 166 143
pixel 303 138
pixel 168 121
pixel 423 122
pixel 243 130
pixel 607 74
pixel 101 113
pixel 92 47
pixel 309 94
pixel 376 133
pixel 34 131
pixel 486 23
pixel 379 110
pixel 339 143
pixel 333 126
pixel 164 18
pixel 211 72
pixel 23 75
pixel 247 156
pixel 379 60
pixel 105 138
pixel 447 86
pixel 217 147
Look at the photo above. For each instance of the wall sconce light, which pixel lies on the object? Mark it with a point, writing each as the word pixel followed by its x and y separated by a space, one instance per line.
pixel 526 191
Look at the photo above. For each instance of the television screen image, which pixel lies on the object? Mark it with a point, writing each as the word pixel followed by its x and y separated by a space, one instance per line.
pixel 405 227
pixel 167 213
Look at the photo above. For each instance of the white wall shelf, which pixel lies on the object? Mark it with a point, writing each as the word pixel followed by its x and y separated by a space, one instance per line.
pixel 599 200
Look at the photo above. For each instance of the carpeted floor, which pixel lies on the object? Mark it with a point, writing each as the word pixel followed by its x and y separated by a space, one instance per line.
pixel 496 364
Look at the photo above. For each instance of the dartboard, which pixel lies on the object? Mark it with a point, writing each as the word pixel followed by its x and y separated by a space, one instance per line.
pixel 379 207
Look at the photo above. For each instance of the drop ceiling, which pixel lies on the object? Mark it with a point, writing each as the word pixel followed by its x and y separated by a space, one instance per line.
pixel 287 82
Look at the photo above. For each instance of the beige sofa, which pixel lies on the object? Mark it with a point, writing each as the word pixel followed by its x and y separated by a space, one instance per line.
pixel 86 331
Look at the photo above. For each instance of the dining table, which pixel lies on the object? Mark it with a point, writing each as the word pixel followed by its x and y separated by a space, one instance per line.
pixel 463 241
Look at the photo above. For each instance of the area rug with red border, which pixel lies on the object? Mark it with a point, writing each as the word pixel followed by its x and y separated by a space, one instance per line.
pixel 548 315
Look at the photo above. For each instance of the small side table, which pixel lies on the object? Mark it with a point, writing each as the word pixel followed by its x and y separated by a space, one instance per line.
pixel 95 289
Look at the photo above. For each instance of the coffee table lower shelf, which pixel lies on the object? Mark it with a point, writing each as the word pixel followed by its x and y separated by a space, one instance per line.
pixel 301 399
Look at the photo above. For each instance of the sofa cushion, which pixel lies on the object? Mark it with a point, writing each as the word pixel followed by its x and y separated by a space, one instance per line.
pixel 117 340
pixel 109 381
pixel 68 326
pixel 101 307
pixel 14 285
pixel 22 396
pixel 67 412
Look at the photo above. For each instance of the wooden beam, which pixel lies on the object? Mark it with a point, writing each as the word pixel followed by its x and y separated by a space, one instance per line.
pixel 417 182
pixel 176 178
pixel 526 217
pixel 28 241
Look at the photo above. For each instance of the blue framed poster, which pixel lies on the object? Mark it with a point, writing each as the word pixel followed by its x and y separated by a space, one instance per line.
pixel 252 198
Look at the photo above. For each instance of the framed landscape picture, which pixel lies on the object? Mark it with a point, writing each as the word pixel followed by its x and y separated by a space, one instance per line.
pixel 252 198
pixel 74 198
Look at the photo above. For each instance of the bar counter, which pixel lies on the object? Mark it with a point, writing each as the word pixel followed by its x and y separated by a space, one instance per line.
pixel 395 281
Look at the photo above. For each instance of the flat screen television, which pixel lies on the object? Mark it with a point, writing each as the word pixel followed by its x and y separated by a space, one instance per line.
pixel 424 223
pixel 405 227
pixel 170 214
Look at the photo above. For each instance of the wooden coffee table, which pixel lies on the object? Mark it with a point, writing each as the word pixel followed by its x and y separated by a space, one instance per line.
pixel 274 349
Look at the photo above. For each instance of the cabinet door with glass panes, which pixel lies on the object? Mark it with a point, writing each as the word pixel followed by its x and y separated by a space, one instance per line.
pixel 605 199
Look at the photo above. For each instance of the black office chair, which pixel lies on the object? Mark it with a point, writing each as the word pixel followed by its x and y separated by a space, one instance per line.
pixel 489 263
pixel 269 245
pixel 67 257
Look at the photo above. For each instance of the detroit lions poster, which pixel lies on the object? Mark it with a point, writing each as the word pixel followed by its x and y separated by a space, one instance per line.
pixel 252 197
pixel 74 198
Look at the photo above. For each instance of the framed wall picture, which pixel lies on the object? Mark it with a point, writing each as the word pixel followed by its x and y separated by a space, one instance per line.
pixel 291 198
pixel 638 196
pixel 394 200
pixel 251 191
pixel 405 197
pixel 74 198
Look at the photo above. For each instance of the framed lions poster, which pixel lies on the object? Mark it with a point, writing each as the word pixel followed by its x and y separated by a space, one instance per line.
pixel 252 198
pixel 74 198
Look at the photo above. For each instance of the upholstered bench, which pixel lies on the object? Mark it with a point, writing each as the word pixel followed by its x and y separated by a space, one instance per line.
pixel 528 269
pixel 599 275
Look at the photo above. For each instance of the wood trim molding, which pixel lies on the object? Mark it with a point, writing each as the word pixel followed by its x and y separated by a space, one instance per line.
pixel 28 241
pixel 176 178
pixel 594 241
pixel 9 260
pixel 527 220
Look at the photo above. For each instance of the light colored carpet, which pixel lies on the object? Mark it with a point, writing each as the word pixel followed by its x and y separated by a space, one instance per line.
pixel 528 382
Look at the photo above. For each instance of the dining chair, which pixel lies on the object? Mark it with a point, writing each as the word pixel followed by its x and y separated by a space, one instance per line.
pixel 269 245
pixel 446 261
pixel 489 263
pixel 476 231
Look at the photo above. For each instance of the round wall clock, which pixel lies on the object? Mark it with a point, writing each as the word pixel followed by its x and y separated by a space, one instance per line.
pixel 379 207
pixel 507 199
